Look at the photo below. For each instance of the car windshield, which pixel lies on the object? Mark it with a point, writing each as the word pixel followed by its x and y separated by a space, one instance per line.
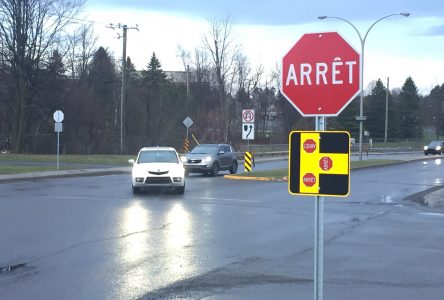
pixel 434 144
pixel 205 149
pixel 157 157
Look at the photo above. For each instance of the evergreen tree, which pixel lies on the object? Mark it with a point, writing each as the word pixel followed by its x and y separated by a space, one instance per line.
pixel 434 110
pixel 52 80
pixel 154 75
pixel 102 81
pixel 375 107
pixel 346 120
pixel 409 110
pixel 154 80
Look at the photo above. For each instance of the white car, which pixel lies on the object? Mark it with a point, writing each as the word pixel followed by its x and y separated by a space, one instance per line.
pixel 158 167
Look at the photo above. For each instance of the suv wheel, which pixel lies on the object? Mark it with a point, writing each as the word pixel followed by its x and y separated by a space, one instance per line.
pixel 233 169
pixel 215 169
pixel 180 190
pixel 136 190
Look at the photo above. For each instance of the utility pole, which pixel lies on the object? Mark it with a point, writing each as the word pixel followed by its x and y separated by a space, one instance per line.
pixel 386 110
pixel 124 78
pixel 188 82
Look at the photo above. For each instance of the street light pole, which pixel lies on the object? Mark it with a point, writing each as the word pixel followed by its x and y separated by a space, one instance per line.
pixel 386 109
pixel 361 118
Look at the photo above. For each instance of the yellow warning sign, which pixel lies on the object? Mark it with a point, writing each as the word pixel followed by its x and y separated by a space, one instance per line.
pixel 319 163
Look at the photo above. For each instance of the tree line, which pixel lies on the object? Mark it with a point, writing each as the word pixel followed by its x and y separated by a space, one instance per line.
pixel 46 65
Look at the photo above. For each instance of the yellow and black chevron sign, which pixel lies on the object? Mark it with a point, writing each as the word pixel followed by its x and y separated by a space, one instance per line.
pixel 248 161
pixel 319 163
pixel 186 144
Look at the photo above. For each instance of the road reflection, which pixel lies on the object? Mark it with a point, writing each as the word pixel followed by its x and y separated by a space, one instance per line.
pixel 135 222
pixel 156 248
pixel 178 238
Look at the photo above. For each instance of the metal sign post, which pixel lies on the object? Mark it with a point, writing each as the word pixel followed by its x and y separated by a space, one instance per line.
pixel 187 122
pixel 58 147
pixel 319 233
pixel 248 116
pixel 319 165
pixel 322 168
pixel 58 127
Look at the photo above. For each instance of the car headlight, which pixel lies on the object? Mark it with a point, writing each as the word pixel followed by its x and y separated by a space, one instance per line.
pixel 207 160
pixel 438 148
pixel 425 147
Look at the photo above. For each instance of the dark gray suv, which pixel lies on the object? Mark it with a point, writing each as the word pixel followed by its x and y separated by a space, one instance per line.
pixel 210 159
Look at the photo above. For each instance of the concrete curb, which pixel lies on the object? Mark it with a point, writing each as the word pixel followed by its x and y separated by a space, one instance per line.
pixel 239 177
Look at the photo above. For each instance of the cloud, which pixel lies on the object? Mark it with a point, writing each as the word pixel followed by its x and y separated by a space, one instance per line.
pixel 281 12
pixel 436 31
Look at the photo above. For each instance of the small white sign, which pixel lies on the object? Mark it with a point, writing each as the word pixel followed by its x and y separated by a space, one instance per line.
pixel 248 116
pixel 58 116
pixel 58 127
pixel 187 122
pixel 247 131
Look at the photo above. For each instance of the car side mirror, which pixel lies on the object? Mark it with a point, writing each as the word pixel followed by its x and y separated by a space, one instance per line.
pixel 131 161
pixel 183 158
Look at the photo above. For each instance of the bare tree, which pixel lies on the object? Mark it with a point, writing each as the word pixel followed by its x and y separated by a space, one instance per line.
pixel 81 47
pixel 245 78
pixel 219 42
pixel 28 30
pixel 199 64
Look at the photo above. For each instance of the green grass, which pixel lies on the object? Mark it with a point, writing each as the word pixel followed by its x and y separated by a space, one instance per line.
pixel 87 159
pixel 6 168
pixel 276 173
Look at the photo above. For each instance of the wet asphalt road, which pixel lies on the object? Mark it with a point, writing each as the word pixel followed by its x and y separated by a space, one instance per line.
pixel 90 238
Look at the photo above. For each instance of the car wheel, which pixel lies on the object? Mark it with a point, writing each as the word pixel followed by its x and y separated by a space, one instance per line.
pixel 181 190
pixel 136 190
pixel 215 169
pixel 233 169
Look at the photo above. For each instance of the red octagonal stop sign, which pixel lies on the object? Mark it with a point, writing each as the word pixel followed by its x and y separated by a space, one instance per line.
pixel 309 146
pixel 309 179
pixel 325 163
pixel 320 74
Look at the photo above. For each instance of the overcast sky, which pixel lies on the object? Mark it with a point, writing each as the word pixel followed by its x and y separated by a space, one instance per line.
pixel 396 47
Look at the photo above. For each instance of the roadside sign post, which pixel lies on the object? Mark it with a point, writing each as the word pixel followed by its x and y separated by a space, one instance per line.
pixel 187 122
pixel 58 127
pixel 319 233
pixel 320 77
pixel 319 165
pixel 248 126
